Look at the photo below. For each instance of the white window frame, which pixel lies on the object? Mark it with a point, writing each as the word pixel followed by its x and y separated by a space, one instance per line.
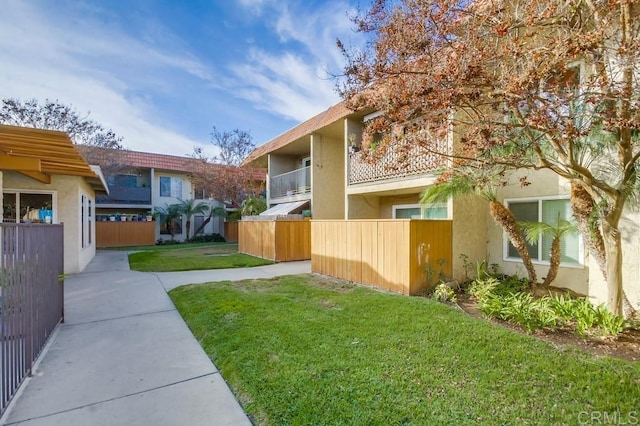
pixel 171 179
pixel 538 261
pixel 54 199
pixel 422 208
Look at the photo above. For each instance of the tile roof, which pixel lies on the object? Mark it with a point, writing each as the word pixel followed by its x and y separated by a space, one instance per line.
pixel 313 124
pixel 170 162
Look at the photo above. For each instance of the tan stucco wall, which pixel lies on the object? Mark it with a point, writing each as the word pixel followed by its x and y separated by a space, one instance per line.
pixel 387 203
pixel 469 214
pixel 67 191
pixel 363 207
pixel 543 183
pixel 327 178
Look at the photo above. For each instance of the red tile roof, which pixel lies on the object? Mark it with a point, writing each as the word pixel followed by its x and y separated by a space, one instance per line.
pixel 313 124
pixel 170 162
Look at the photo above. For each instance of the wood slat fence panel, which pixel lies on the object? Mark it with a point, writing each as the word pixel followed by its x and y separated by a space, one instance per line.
pixel 125 234
pixel 388 254
pixel 31 298
pixel 231 232
pixel 277 240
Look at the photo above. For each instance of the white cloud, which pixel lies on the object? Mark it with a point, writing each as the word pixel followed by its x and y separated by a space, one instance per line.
pixel 96 68
pixel 297 85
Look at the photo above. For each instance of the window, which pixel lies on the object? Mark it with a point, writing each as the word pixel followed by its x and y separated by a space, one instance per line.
pixel 170 187
pixel 419 211
pixel 83 222
pixel 89 219
pixel 124 181
pixel 176 225
pixel 197 223
pixel 547 210
pixel 35 207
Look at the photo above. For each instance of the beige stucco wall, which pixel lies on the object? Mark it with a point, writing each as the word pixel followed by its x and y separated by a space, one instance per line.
pixel 66 191
pixel 327 178
pixel 543 184
pixel 629 228
pixel 469 214
pixel 363 207
pixel 163 202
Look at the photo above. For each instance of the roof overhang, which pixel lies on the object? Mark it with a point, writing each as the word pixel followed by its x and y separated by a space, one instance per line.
pixel 39 154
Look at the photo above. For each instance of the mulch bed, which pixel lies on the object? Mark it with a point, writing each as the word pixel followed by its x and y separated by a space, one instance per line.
pixel 625 346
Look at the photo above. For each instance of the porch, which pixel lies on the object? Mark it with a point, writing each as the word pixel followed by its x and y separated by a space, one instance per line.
pixel 293 185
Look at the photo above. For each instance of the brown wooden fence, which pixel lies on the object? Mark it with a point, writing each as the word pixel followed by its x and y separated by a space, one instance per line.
pixel 279 240
pixel 403 256
pixel 124 234
pixel 31 298
pixel 231 232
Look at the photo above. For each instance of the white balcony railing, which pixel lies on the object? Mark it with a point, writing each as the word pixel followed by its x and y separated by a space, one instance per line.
pixel 290 183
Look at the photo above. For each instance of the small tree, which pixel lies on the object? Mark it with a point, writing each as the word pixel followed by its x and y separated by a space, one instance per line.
pixel 253 206
pixel 485 185
pixel 169 214
pixel 211 213
pixel 534 230
pixel 190 208
pixel 221 176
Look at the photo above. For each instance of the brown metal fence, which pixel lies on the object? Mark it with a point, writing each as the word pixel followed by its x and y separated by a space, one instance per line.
pixel 31 298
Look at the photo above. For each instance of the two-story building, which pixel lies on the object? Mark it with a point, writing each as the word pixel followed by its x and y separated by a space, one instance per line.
pixel 146 183
pixel 318 165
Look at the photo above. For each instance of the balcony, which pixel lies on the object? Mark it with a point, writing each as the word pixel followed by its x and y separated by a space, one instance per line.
pixel 291 183
pixel 126 196
pixel 398 161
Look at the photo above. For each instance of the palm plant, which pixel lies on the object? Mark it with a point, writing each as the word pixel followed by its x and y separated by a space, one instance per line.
pixel 253 206
pixel 211 213
pixel 534 230
pixel 486 187
pixel 189 208
pixel 170 214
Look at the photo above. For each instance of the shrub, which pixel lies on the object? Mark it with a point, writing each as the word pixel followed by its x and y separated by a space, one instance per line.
pixel 167 242
pixel 443 293
pixel 209 238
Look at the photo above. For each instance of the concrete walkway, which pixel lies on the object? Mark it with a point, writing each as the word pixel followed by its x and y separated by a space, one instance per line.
pixel 124 356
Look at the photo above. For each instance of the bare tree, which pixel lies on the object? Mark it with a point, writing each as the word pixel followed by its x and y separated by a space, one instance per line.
pixel 88 135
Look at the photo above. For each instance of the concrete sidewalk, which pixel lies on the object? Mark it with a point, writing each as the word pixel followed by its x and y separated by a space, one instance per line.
pixel 124 356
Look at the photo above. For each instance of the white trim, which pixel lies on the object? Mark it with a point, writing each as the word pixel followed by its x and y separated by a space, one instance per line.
pixel 53 193
pixel 538 260
pixel 373 115
pixel 422 207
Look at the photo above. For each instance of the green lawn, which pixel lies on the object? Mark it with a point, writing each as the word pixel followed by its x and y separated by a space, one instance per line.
pixel 191 258
pixel 164 247
pixel 306 350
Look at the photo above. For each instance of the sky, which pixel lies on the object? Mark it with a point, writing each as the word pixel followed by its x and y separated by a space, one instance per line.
pixel 162 73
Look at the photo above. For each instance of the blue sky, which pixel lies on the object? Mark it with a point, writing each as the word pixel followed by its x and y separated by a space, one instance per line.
pixel 161 73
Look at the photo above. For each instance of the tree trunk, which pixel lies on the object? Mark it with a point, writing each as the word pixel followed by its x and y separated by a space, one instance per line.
pixel 554 262
pixel 202 225
pixel 613 247
pixel 188 227
pixel 582 205
pixel 507 221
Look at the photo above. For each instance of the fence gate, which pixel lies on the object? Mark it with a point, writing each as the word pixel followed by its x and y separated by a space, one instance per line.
pixel 31 298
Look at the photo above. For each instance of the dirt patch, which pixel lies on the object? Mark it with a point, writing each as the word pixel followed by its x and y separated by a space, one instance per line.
pixel 625 346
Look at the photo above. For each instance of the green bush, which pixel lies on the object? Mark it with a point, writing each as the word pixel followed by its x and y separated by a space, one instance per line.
pixel 507 300
pixel 162 242
pixel 443 293
pixel 209 238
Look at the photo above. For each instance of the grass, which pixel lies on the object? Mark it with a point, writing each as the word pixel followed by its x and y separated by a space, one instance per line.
pixel 164 247
pixel 191 258
pixel 306 350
